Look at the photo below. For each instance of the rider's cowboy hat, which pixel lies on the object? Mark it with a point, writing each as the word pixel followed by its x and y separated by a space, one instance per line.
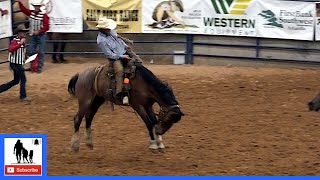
pixel 37 2
pixel 22 28
pixel 105 23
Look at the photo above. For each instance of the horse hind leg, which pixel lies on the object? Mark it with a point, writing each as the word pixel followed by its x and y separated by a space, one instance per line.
pixel 96 103
pixel 75 141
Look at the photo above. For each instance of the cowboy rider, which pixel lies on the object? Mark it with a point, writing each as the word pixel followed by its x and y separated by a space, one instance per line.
pixel 115 48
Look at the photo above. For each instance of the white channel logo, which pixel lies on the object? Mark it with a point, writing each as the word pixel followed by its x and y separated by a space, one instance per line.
pixel 10 169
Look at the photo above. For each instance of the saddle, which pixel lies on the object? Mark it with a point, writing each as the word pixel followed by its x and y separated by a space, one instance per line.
pixel 108 71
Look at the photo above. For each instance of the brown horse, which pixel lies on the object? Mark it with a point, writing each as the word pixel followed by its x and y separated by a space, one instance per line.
pixel 90 87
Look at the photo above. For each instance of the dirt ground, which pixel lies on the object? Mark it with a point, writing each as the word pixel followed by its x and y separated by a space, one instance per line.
pixel 240 121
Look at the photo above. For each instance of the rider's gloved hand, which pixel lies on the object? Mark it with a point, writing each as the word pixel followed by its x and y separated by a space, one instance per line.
pixel 125 57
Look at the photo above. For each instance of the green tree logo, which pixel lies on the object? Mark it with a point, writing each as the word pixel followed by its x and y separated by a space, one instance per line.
pixel 271 18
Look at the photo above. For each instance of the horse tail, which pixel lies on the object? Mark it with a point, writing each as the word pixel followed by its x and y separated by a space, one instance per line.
pixel 72 84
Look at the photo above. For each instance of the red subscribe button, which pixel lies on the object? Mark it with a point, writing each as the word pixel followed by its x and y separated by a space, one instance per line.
pixel 32 170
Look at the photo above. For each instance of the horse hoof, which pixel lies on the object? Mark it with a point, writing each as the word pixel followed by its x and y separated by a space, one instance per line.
pixel 75 146
pixel 162 150
pixel 154 151
pixel 90 146
pixel 75 149
pixel 161 146
pixel 153 146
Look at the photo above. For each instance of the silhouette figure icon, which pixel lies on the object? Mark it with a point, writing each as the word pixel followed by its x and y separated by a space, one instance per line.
pixel 18 150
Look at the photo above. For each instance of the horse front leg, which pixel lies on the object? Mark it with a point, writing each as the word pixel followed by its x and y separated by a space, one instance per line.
pixel 158 143
pixel 150 125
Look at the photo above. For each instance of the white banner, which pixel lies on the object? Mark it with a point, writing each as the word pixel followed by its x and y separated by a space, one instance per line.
pixel 228 17
pixel 285 19
pixel 65 16
pixel 180 16
pixel 5 19
pixel 317 22
pixel 225 17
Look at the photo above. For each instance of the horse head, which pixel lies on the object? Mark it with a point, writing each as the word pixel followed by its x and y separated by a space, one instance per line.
pixel 167 117
pixel 314 104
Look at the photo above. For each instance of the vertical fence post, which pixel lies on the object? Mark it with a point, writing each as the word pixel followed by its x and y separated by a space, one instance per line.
pixel 189 49
pixel 257 47
pixel 12 20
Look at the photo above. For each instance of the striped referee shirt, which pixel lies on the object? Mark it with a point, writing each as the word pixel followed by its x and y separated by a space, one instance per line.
pixel 36 22
pixel 17 51
pixel 39 21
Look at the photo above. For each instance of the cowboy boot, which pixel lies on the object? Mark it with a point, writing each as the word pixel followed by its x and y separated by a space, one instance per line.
pixel 119 82
pixel 119 86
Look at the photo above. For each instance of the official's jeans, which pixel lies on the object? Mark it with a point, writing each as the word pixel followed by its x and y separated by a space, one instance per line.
pixel 18 76
pixel 41 41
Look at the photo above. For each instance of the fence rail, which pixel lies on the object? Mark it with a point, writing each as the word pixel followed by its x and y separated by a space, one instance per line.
pixel 190 45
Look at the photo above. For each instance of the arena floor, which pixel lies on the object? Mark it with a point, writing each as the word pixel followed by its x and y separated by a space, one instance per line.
pixel 240 121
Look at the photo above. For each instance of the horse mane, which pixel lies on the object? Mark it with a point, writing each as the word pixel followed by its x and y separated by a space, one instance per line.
pixel 164 90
